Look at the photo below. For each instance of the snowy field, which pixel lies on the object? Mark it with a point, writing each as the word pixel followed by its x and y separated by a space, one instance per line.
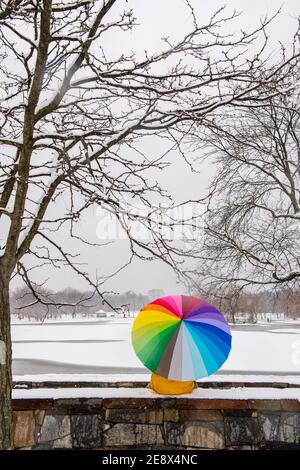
pixel 101 349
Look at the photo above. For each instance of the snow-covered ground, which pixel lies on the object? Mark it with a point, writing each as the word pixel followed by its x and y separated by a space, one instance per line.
pixel 238 393
pixel 101 349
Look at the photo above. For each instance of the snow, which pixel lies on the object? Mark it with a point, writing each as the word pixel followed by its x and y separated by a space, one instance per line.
pixel 45 103
pixel 2 352
pixel 54 170
pixel 34 213
pixel 40 107
pixel 33 216
pixel 64 318
pixel 261 351
pixel 239 393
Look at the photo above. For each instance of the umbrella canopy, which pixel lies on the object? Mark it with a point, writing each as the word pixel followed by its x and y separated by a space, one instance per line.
pixel 181 337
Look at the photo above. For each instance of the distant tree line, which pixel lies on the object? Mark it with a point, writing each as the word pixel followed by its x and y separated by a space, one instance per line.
pixel 74 302
pixel 234 305
pixel 250 306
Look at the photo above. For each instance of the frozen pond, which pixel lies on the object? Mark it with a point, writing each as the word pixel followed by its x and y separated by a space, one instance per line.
pixel 103 346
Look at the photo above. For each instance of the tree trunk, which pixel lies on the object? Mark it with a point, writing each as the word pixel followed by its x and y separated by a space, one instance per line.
pixel 6 427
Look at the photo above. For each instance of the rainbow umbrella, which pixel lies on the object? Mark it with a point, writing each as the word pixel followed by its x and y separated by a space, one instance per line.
pixel 181 338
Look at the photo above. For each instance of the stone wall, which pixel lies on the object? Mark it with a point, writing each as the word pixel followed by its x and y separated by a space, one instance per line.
pixel 156 423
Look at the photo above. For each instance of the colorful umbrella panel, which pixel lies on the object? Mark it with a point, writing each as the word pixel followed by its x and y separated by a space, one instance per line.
pixel 181 337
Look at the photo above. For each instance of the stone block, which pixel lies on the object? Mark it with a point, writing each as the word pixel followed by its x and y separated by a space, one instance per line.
pixel 78 406
pixel 200 415
pixel 120 415
pixel 195 434
pixel 54 427
pixel 265 404
pixel 280 427
pixel 171 414
pixel 131 415
pixel 242 431
pixel 166 402
pixel 86 431
pixel 155 416
pixel 204 435
pixel 21 404
pixel 125 434
pixel 63 443
pixel 173 433
pixel 210 404
pixel 24 434
pixel 290 405
pixel 140 403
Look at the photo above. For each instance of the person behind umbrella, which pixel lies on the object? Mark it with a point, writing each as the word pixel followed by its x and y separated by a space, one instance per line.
pixel 180 339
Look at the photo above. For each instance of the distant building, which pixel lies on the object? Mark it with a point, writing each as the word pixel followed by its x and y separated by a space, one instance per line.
pixel 101 314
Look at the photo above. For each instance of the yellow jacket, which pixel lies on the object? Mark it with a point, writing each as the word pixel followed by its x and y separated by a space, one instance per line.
pixel 171 387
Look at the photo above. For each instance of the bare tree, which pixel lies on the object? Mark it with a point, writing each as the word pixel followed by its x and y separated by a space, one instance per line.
pixel 72 120
pixel 251 234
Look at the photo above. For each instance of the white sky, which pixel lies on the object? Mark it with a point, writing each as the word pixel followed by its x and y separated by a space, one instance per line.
pixel 160 18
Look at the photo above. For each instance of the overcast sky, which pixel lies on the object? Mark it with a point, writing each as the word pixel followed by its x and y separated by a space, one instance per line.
pixel 158 19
